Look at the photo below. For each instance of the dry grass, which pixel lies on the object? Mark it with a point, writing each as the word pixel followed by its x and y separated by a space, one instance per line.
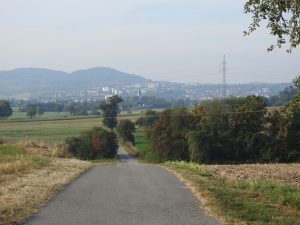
pixel 22 163
pixel 15 159
pixel 62 151
pixel 22 195
pixel 284 173
pixel 35 148
pixel 29 176
pixel 130 149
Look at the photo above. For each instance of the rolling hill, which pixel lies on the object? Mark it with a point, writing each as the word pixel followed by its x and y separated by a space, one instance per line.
pixel 27 81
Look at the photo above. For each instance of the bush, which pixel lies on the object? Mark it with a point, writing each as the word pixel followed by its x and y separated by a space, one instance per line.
pixel 149 119
pixel 96 143
pixel 150 156
pixel 73 146
pixel 125 129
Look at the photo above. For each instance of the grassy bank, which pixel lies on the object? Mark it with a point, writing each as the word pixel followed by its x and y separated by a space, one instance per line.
pixel 14 159
pixel 21 195
pixel 144 150
pixel 29 177
pixel 243 201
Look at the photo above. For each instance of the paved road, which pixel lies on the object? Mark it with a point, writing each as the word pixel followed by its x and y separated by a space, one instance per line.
pixel 126 194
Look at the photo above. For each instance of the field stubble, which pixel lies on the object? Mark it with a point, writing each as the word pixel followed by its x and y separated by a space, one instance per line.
pixel 284 173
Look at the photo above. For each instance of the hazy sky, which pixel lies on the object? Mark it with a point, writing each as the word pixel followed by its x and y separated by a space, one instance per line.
pixel 176 40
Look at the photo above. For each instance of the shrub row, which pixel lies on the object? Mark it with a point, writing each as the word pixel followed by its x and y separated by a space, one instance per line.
pixel 96 143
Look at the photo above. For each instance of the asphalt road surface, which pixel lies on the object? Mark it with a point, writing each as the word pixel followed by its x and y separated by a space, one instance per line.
pixel 129 193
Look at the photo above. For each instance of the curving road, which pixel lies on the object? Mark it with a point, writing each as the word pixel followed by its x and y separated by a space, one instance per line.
pixel 129 193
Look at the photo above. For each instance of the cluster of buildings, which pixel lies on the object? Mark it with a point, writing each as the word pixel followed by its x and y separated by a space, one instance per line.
pixel 167 90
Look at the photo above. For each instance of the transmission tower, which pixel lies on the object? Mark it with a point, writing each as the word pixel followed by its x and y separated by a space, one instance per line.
pixel 223 69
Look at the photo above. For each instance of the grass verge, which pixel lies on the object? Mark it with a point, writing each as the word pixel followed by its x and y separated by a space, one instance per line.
pixel 242 201
pixel 105 161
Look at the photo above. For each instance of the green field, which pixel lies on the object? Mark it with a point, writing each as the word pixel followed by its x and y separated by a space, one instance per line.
pixel 140 142
pixel 49 131
pixel 23 115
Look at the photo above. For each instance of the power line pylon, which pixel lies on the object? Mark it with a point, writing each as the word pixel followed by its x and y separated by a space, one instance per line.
pixel 223 69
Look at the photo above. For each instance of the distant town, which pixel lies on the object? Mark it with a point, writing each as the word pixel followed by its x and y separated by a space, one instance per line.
pixel 167 90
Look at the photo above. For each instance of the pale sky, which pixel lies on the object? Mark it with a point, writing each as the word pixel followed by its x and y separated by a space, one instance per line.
pixel 175 40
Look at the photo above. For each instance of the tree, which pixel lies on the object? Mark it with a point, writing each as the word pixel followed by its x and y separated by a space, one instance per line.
pixel 246 126
pixel 40 111
pixel 282 18
pixel 5 109
pixel 71 108
pixel 168 137
pixel 31 112
pixel 110 109
pixel 149 119
pixel 292 113
pixel 277 131
pixel 95 112
pixel 198 138
pixel 125 129
pixel 160 138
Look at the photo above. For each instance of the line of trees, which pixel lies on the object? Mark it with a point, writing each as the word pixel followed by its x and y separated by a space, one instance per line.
pixel 83 108
pixel 228 130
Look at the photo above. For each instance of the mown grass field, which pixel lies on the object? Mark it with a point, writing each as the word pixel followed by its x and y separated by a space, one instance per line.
pixel 23 115
pixel 50 131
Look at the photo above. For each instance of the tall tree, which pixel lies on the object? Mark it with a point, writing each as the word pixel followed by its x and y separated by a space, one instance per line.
pixel 292 113
pixel 125 129
pixel 283 19
pixel 110 109
pixel 149 119
pixel 168 136
pixel 39 110
pixel 5 109
pixel 160 138
pixel 246 126
pixel 31 112
pixel 198 138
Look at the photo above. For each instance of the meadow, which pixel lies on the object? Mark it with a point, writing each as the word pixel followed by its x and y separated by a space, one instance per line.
pixel 23 115
pixel 50 131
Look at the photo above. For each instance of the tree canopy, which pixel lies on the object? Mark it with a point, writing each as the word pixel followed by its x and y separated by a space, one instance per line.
pixel 125 129
pixel 5 109
pixel 282 17
pixel 110 109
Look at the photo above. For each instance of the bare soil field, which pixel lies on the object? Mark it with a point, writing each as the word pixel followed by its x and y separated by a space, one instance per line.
pixel 285 173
